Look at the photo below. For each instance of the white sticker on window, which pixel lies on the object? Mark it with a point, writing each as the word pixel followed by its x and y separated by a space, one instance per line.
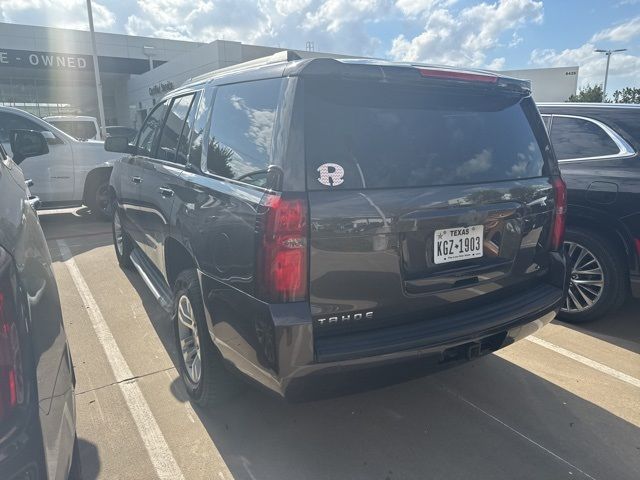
pixel 331 174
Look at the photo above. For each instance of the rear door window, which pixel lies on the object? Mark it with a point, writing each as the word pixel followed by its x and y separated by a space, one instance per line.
pixel 241 132
pixel 360 135
pixel 579 138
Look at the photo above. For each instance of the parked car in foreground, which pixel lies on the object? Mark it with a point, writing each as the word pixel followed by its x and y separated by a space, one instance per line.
pixel 79 127
pixel 72 173
pixel 597 148
pixel 319 223
pixel 120 131
pixel 37 402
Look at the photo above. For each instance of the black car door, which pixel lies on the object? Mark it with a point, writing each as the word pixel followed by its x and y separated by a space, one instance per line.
pixel 159 173
pixel 131 186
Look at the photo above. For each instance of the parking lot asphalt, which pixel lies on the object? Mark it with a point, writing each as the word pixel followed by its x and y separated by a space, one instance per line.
pixel 563 404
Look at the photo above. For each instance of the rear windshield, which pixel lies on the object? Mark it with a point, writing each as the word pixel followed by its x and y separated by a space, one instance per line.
pixel 360 135
pixel 80 129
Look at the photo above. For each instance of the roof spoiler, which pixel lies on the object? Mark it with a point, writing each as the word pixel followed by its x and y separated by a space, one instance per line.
pixel 278 57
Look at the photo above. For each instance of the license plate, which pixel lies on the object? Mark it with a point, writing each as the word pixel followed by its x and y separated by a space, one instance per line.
pixel 454 244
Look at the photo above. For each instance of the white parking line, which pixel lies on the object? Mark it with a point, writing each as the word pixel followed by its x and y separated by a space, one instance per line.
pixel 586 361
pixel 517 432
pixel 155 443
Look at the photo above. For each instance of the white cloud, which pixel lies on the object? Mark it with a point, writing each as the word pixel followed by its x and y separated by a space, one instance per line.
pixel 624 68
pixel 67 14
pixel 620 33
pixel 417 8
pixel 333 25
pixel 466 37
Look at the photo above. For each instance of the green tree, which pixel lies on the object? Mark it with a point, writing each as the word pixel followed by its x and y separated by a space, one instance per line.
pixel 627 95
pixel 588 93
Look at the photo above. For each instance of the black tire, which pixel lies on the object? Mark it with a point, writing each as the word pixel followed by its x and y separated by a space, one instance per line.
pixel 97 196
pixel 614 275
pixel 215 384
pixel 75 472
pixel 123 254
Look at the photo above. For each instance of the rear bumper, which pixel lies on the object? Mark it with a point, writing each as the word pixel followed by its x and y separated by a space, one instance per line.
pixel 274 345
pixel 349 376
pixel 634 282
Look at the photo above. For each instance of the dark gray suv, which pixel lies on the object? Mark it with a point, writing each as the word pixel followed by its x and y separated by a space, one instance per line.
pixel 324 223
pixel 37 402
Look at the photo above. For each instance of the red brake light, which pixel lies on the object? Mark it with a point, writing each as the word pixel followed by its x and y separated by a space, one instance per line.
pixel 283 253
pixel 559 213
pixel 445 74
pixel 10 360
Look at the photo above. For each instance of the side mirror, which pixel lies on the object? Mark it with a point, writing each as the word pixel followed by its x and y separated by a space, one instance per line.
pixel 27 143
pixel 51 138
pixel 48 135
pixel 118 144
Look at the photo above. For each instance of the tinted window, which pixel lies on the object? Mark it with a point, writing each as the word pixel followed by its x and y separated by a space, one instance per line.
pixel 578 138
pixel 200 123
pixel 150 130
pixel 240 137
pixel 168 147
pixel 77 129
pixel 185 139
pixel 547 122
pixel 382 135
pixel 11 121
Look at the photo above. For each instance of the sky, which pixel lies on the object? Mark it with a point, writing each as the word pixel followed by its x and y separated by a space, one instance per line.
pixel 499 34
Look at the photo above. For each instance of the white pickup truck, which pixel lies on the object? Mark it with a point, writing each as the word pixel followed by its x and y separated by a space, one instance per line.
pixel 73 173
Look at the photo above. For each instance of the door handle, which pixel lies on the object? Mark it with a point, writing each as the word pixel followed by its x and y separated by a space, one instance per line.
pixel 165 192
pixel 136 179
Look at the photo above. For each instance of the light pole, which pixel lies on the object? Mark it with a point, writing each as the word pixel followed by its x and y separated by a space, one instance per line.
pixel 96 70
pixel 608 53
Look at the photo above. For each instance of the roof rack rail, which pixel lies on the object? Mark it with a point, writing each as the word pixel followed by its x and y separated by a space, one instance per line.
pixel 278 57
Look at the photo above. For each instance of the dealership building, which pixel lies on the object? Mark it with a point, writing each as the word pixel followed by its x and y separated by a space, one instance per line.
pixel 49 71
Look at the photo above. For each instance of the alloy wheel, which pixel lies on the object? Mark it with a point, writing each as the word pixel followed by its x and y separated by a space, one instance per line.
pixel 189 342
pixel 587 278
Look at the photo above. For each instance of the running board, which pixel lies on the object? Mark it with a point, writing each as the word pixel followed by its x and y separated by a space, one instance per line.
pixel 154 281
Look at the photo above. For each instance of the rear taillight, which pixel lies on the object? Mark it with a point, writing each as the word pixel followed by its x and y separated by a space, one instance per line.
pixel 446 74
pixel 11 378
pixel 559 213
pixel 282 252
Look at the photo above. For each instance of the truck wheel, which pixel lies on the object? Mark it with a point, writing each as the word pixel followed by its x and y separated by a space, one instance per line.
pixel 121 241
pixel 201 366
pixel 597 283
pixel 97 198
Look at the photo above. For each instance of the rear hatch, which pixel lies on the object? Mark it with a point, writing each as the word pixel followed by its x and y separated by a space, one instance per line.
pixel 427 198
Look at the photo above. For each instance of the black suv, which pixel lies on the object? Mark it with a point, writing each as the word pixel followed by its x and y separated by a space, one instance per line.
pixel 37 401
pixel 317 222
pixel 597 148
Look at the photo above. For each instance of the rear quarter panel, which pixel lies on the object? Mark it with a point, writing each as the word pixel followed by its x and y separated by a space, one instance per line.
pixel 22 236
